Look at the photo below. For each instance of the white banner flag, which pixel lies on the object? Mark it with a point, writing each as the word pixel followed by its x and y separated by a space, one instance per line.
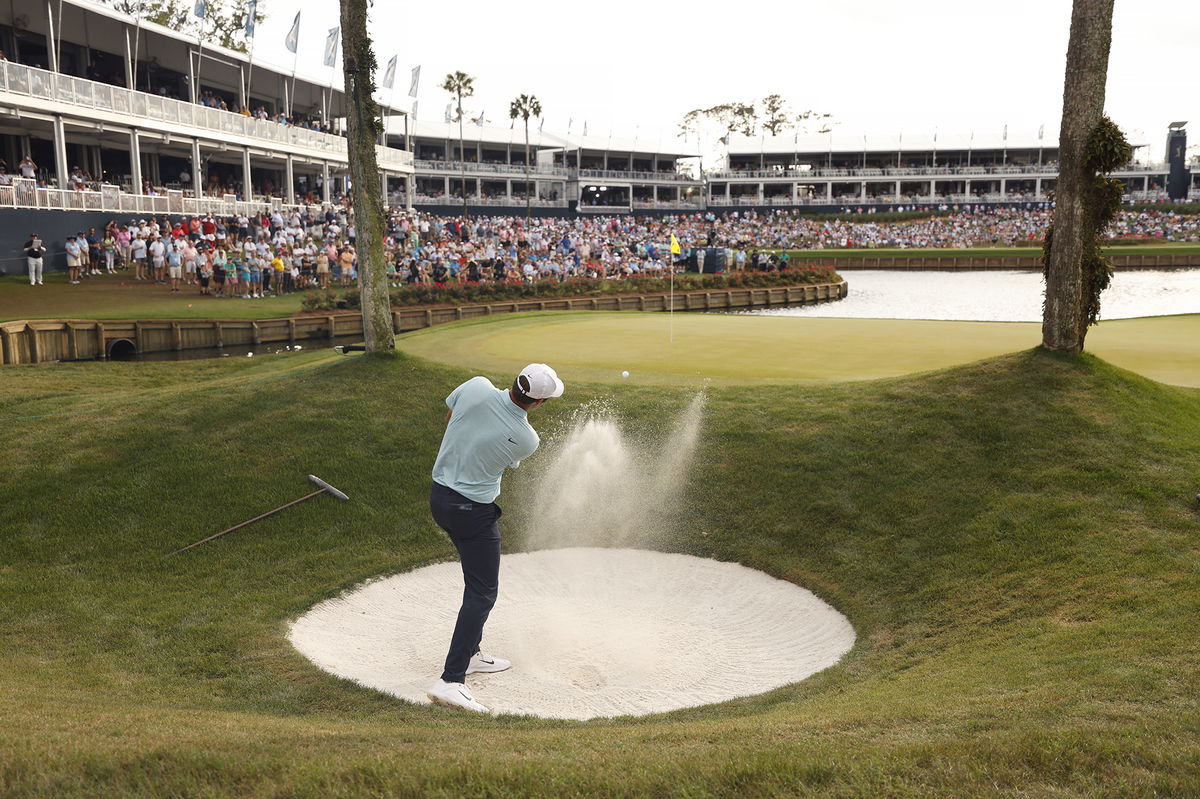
pixel 293 37
pixel 390 74
pixel 331 45
pixel 416 79
pixel 251 13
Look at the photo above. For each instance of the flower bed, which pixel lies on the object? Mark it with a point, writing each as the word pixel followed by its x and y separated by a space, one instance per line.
pixel 469 293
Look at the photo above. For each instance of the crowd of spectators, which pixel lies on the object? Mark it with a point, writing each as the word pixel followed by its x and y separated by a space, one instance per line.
pixel 277 252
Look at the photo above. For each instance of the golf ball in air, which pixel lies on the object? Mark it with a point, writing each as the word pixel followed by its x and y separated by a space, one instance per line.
pixel 625 373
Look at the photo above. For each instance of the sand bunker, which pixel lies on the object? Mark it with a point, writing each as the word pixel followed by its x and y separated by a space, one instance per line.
pixel 591 632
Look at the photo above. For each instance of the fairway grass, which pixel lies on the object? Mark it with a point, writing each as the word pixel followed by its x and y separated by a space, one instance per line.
pixel 1015 541
pixel 699 349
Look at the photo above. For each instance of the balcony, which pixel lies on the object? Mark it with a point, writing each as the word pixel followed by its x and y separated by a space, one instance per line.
pixel 623 175
pixel 474 168
pixel 25 193
pixel 51 86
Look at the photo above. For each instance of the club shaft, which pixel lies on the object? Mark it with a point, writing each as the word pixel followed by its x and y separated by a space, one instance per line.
pixel 250 521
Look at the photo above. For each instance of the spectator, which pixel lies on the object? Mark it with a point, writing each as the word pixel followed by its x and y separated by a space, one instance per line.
pixel 34 250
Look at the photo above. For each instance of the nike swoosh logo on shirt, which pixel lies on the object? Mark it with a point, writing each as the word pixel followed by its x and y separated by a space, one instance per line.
pixel 511 441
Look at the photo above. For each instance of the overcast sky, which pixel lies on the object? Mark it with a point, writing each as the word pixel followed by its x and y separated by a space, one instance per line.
pixel 636 67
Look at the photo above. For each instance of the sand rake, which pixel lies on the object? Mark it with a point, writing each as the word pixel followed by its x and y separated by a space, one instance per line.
pixel 325 488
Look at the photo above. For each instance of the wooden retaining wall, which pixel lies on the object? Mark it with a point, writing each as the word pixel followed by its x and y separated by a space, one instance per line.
pixel 48 340
pixel 1032 261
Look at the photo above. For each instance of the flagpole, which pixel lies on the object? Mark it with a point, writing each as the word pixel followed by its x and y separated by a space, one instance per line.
pixel 292 93
pixel 250 70
pixel 199 57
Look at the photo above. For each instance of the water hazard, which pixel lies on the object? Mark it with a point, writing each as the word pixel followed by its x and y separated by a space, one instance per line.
pixel 994 296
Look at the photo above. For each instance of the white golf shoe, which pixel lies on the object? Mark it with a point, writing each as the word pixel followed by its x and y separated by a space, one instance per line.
pixel 486 664
pixel 456 695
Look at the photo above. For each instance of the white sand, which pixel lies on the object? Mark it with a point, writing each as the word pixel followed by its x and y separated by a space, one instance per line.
pixel 591 632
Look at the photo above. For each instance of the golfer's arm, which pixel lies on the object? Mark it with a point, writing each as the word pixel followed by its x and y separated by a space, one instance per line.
pixel 448 413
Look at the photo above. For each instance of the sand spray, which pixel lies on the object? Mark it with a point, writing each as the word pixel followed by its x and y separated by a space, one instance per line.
pixel 599 486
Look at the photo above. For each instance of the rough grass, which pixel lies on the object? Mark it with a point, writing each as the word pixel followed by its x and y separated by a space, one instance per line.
pixel 1016 542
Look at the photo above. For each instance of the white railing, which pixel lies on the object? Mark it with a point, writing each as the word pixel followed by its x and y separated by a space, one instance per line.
pixel 44 85
pixel 489 202
pixel 1033 170
pixel 25 193
pixel 618 174
pixel 456 167
pixel 690 205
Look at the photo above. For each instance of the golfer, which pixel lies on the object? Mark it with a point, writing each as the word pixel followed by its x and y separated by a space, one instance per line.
pixel 487 431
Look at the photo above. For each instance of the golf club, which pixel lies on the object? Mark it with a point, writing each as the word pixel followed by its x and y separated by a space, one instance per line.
pixel 324 488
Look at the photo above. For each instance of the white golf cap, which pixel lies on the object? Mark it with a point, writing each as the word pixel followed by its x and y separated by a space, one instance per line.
pixel 539 381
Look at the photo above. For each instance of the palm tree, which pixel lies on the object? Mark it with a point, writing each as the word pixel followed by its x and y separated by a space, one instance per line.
pixel 461 85
pixel 1065 313
pixel 526 106
pixel 363 125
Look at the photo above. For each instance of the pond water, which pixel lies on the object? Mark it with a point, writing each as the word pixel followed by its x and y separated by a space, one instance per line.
pixel 995 296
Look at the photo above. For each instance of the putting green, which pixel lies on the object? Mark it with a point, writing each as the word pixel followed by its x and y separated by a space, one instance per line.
pixel 693 348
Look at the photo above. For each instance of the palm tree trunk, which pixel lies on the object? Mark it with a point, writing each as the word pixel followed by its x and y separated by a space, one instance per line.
pixel 528 199
pixel 358 65
pixel 1064 318
pixel 462 158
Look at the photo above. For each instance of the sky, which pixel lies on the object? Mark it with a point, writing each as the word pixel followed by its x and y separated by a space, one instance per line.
pixel 634 68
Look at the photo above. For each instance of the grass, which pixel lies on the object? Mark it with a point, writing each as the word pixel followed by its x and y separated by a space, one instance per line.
pixel 706 349
pixel 1166 248
pixel 120 297
pixel 1015 542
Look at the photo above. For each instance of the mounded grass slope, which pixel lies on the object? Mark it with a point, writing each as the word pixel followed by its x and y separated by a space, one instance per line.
pixel 1016 542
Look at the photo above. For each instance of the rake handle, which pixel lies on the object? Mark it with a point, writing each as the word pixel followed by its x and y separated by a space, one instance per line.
pixel 250 521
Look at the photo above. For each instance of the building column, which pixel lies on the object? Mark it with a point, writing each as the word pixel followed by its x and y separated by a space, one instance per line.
pixel 1037 188
pixel 247 184
pixel 829 192
pixel 1003 188
pixel 967 188
pixel 933 188
pixel 409 187
pixel 325 187
pixel 761 194
pixel 135 161
pixel 60 151
pixel 383 178
pixel 446 189
pixel 795 195
pixel 197 177
pixel 897 191
pixel 862 191
pixel 289 192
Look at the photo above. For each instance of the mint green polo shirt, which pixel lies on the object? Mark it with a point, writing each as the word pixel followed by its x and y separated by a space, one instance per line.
pixel 487 434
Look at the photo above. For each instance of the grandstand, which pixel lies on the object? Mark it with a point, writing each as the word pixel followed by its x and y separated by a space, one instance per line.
pixel 587 174
pixel 102 112
pixel 118 114
pixel 837 171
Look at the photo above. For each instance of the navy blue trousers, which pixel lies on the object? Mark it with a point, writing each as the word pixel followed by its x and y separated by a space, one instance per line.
pixel 474 527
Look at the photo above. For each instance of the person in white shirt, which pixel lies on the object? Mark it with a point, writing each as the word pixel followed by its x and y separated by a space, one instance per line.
pixel 158 252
